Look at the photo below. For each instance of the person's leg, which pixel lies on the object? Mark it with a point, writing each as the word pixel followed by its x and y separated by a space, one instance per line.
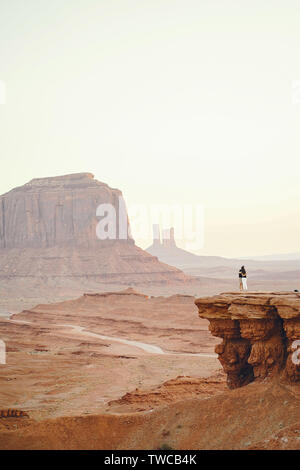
pixel 241 284
pixel 245 287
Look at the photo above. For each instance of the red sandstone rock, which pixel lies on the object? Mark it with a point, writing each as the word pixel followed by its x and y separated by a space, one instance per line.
pixel 258 331
pixel 61 378
pixel 48 234
pixel 53 211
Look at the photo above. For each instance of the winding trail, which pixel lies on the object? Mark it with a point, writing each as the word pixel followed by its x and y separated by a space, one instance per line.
pixel 145 347
pixel 150 348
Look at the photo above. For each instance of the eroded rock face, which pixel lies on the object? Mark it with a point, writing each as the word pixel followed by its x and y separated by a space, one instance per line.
pixel 54 211
pixel 259 331
pixel 48 233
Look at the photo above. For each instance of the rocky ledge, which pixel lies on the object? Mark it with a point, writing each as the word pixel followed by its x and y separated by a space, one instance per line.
pixel 260 332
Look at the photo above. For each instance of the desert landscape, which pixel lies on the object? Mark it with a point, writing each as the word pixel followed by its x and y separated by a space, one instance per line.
pixel 49 251
pixel 137 354
pixel 149 228
pixel 80 383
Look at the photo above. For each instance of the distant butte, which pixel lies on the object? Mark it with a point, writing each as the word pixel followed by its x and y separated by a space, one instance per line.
pixel 54 211
pixel 48 240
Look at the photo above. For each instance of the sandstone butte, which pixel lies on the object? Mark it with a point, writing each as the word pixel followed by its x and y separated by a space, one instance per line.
pixel 259 331
pixel 48 236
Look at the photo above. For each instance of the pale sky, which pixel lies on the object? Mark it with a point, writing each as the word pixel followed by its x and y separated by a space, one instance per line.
pixel 187 101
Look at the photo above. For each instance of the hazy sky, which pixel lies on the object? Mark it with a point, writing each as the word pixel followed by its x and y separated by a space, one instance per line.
pixel 187 101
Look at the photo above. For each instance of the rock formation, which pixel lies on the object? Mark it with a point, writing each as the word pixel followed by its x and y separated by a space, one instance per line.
pixel 156 235
pixel 167 251
pixel 260 331
pixel 83 392
pixel 48 212
pixel 168 237
pixel 48 234
pixel 280 275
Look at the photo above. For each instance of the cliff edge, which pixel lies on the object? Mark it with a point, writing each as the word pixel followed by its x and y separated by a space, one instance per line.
pixel 260 332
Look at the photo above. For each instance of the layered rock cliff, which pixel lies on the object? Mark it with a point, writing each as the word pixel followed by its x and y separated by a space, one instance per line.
pixel 260 331
pixel 48 231
pixel 54 211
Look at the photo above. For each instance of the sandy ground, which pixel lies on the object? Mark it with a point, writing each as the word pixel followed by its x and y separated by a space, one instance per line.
pixel 54 370
pixel 17 294
pixel 258 416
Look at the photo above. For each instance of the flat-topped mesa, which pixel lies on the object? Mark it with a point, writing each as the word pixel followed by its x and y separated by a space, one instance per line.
pixel 53 181
pixel 69 231
pixel 57 211
pixel 260 331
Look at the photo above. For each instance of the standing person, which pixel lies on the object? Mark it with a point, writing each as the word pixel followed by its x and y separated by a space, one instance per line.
pixel 240 279
pixel 243 278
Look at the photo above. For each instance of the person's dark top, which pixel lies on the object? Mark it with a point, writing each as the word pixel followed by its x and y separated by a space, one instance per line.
pixel 242 272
